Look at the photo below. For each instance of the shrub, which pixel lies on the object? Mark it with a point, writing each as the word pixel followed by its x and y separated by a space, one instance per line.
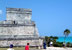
pixel 68 44
pixel 58 44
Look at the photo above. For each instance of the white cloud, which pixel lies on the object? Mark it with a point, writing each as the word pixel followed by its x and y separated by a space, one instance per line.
pixel 0 12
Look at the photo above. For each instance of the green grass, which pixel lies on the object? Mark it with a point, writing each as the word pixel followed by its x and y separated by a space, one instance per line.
pixel 18 48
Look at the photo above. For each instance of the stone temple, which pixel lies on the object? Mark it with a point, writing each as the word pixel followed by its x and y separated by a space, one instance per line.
pixel 18 28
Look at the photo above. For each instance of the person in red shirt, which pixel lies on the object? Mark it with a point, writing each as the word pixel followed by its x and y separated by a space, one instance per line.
pixel 27 46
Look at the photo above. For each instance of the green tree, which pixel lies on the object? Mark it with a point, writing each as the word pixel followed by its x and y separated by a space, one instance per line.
pixel 47 39
pixel 66 33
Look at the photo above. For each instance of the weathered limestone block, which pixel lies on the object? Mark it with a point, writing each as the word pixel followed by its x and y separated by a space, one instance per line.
pixel 20 30
pixel 19 14
pixel 7 22
pixel 20 42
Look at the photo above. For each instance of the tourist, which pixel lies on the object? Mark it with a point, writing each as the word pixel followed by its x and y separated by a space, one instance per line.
pixel 11 47
pixel 64 44
pixel 51 44
pixel 27 46
pixel 44 45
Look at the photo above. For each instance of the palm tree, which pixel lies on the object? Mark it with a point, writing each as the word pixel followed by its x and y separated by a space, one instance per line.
pixel 66 33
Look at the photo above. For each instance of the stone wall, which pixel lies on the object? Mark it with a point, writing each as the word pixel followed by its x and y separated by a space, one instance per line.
pixel 20 42
pixel 18 30
pixel 19 14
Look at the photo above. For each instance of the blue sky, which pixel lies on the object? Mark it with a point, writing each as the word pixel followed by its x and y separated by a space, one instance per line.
pixel 52 17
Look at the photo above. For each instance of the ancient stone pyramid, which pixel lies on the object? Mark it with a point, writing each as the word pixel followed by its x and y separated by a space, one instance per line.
pixel 18 28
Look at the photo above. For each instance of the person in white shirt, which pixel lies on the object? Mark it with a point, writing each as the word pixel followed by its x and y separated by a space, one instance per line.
pixel 11 47
pixel 64 44
pixel 51 43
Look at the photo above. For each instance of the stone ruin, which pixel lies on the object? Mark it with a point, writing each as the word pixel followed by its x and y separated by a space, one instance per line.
pixel 18 28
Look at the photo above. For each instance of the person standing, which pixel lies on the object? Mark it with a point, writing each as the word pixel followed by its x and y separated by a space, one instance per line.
pixel 44 45
pixel 64 44
pixel 11 47
pixel 27 46
pixel 51 44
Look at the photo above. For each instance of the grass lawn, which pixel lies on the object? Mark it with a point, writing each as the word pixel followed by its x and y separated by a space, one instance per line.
pixel 19 48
